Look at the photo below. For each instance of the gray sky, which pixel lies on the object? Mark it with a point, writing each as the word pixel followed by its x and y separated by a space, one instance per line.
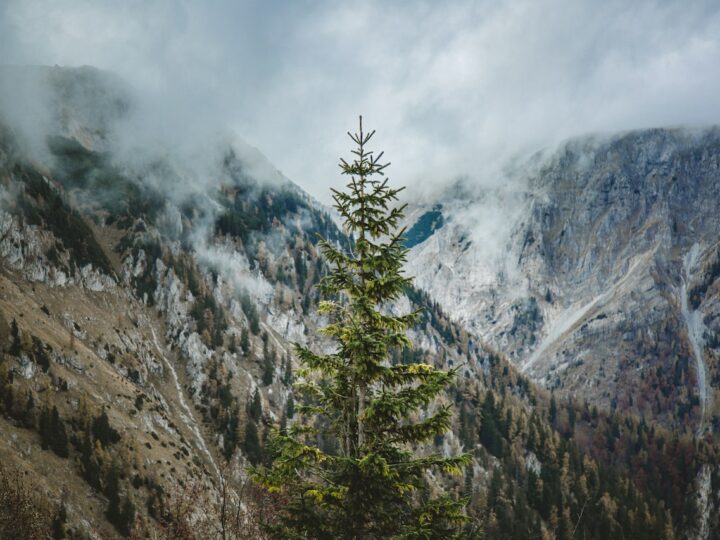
pixel 453 88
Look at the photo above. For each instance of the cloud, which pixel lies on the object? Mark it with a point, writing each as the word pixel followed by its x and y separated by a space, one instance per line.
pixel 454 89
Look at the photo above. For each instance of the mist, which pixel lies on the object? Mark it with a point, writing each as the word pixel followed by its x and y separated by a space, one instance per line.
pixel 177 160
pixel 454 90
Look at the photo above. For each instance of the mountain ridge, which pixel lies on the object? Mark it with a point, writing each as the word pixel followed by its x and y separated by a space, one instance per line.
pixel 591 225
pixel 154 330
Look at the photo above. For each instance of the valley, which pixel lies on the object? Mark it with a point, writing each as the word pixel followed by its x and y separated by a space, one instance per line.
pixel 147 331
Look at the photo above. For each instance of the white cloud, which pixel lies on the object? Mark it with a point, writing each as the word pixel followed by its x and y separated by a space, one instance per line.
pixel 453 88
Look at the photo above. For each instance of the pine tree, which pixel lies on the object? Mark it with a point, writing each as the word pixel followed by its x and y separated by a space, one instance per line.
pixel 250 312
pixel 290 407
pixel 6 390
pixel 288 374
pixel 58 435
pixel 40 354
pixel 379 414
pixel 89 462
pixel 44 428
pixel 59 522
pixel 29 415
pixel 126 519
pixel 231 433
pixel 251 444
pixel 15 344
pixel 112 492
pixel 103 431
pixel 268 366
pixel 552 413
pixel 490 435
pixel 255 406
pixel 245 342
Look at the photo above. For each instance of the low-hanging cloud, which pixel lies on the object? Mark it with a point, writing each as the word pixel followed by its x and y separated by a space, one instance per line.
pixel 454 89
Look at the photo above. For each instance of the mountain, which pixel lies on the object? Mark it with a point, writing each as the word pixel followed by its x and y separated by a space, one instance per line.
pixel 603 281
pixel 150 294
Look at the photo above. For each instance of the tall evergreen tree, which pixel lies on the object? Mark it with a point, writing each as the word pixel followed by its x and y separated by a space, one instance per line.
pixel 29 414
pixel 268 365
pixel 59 523
pixel 126 517
pixel 15 344
pixel 374 484
pixel 288 374
pixel 255 406
pixel 58 439
pixel 112 492
pixel 290 407
pixel 103 431
pixel 44 428
pixel 251 444
pixel 245 342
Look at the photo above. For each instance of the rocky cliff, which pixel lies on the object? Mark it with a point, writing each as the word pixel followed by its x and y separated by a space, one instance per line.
pixel 595 268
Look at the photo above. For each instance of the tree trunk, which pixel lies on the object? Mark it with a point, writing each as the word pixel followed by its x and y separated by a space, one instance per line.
pixel 360 413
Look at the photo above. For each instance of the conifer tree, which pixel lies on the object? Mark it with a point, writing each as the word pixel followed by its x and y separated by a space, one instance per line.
pixel 89 461
pixel 112 492
pixel 268 365
pixel 126 517
pixel 290 407
pixel 251 444
pixel 373 485
pixel 59 523
pixel 103 431
pixel 29 414
pixel 44 428
pixel 15 344
pixel 58 435
pixel 288 374
pixel 255 406
pixel 245 342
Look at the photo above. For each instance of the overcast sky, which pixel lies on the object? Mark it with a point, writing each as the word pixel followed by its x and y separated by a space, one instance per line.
pixel 453 88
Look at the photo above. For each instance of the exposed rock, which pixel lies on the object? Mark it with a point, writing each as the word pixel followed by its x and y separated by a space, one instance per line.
pixel 594 237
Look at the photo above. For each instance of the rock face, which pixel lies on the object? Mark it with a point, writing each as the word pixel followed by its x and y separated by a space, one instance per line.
pixel 601 279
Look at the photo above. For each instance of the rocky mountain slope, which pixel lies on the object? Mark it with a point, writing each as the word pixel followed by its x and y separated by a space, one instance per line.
pixel 601 280
pixel 148 307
